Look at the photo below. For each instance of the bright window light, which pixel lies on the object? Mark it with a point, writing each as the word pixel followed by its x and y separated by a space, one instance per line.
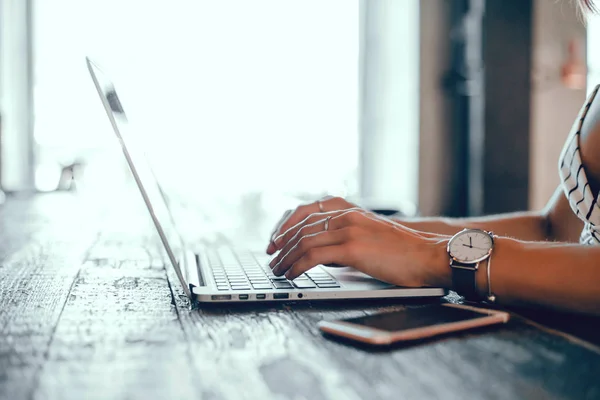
pixel 234 97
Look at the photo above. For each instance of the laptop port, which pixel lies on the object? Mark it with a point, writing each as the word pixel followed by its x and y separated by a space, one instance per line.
pixel 300 295
pixel 261 296
pixel 221 297
pixel 243 297
pixel 281 296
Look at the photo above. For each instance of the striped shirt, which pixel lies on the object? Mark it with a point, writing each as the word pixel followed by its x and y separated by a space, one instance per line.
pixel 575 183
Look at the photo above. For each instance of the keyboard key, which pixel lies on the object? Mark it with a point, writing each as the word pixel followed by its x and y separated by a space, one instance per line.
pixel 235 276
pixel 282 285
pixel 222 287
pixel 323 280
pixel 262 258
pixel 234 271
pixel 258 279
pixel 279 278
pixel 304 284
pixel 248 263
pixel 238 281
pixel 328 285
pixel 318 275
pixel 240 287
pixel 262 286
pixel 262 280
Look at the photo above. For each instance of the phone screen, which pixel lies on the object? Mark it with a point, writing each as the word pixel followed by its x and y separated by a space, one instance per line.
pixel 413 318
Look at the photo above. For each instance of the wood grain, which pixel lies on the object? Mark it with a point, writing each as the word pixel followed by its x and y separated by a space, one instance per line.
pixel 88 310
pixel 39 265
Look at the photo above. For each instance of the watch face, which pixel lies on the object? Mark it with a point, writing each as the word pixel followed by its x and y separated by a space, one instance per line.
pixel 470 246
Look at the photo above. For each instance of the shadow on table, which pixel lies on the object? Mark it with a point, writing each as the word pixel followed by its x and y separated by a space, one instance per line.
pixel 314 305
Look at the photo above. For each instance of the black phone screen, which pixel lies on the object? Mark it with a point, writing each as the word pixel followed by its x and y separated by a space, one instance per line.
pixel 412 318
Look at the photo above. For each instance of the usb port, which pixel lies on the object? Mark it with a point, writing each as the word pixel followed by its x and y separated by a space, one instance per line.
pixel 243 297
pixel 261 296
pixel 281 296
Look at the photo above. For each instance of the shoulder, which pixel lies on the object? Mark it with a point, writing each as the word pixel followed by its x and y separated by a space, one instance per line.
pixel 590 142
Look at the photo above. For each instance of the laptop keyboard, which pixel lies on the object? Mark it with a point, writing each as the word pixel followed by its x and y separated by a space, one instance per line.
pixel 242 270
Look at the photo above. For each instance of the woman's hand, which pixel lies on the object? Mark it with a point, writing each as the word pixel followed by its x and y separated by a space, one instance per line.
pixel 357 238
pixel 291 218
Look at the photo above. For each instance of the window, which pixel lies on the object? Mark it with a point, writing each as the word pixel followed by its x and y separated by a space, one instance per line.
pixel 234 97
pixel 239 101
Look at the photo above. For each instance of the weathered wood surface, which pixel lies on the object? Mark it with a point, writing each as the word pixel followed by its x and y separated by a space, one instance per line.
pixel 110 329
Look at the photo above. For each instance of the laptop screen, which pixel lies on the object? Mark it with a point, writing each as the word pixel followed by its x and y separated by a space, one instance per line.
pixel 142 172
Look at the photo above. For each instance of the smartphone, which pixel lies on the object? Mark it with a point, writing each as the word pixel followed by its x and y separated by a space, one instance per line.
pixel 413 323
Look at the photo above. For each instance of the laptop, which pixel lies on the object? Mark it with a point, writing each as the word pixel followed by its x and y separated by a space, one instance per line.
pixel 227 274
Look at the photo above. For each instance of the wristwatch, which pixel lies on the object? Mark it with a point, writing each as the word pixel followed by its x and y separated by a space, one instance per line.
pixel 467 249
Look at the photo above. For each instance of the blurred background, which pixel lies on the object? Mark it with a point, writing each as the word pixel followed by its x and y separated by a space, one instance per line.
pixel 453 107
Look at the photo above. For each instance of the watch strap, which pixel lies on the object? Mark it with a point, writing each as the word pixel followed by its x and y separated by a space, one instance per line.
pixel 464 281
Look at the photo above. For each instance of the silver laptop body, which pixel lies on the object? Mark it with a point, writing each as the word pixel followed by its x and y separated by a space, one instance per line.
pixel 225 274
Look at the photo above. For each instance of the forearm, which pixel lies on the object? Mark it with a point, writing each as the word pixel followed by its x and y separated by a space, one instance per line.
pixel 529 226
pixel 560 276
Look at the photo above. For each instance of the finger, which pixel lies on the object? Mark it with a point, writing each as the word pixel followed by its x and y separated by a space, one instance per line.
pixel 314 224
pixel 281 221
pixel 328 203
pixel 336 254
pixel 308 229
pixel 293 218
pixel 309 242
pixel 288 235
pixel 284 217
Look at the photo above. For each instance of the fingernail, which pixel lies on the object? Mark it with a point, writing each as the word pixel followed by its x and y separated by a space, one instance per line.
pixel 270 248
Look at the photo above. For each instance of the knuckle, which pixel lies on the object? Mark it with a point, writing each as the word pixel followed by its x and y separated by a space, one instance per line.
pixel 307 220
pixel 301 231
pixel 303 244
pixel 335 202
pixel 353 216
pixel 286 236
pixel 311 256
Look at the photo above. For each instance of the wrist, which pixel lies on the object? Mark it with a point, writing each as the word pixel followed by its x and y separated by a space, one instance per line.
pixel 438 264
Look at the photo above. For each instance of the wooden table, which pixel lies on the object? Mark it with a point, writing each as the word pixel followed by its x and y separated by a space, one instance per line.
pixel 105 328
